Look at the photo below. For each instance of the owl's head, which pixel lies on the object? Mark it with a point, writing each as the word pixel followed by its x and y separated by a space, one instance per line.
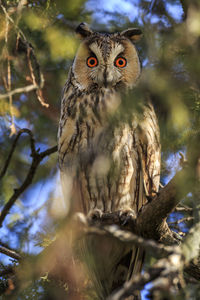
pixel 107 60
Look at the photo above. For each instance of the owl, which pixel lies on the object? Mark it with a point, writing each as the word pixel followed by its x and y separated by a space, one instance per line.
pixel 107 166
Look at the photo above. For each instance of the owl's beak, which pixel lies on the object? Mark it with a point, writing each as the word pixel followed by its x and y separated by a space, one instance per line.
pixel 108 78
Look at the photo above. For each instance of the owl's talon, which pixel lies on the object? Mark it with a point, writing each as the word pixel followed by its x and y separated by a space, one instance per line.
pixel 94 215
pixel 80 218
pixel 126 216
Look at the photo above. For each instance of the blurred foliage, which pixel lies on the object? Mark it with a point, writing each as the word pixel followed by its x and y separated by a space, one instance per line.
pixel 169 54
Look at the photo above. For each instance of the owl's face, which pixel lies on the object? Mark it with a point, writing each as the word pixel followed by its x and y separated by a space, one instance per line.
pixel 107 60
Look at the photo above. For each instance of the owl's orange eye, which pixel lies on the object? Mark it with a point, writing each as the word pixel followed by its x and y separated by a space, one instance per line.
pixel 120 62
pixel 92 61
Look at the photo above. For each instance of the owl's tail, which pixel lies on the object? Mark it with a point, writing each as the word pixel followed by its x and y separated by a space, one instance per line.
pixel 110 264
pixel 132 262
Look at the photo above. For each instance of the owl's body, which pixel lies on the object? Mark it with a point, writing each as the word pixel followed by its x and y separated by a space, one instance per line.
pixel 107 166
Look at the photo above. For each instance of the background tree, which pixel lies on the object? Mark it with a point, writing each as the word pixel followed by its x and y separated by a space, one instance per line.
pixel 37 45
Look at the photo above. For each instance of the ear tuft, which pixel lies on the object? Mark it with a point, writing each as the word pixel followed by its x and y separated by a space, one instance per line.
pixel 83 30
pixel 133 34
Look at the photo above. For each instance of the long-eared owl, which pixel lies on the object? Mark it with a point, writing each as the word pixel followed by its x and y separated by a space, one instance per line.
pixel 107 166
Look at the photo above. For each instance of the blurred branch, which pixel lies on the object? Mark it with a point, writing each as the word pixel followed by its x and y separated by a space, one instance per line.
pixel 7 270
pixel 184 4
pixel 36 159
pixel 193 269
pixel 69 23
pixel 5 245
pixel 139 281
pixel 191 245
pixel 163 272
pixel 55 263
pixel 131 239
pixel 190 250
pixel 3 2
pixel 152 5
pixel 57 259
pixel 10 253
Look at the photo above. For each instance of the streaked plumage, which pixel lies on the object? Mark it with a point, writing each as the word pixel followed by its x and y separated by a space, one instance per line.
pixel 104 166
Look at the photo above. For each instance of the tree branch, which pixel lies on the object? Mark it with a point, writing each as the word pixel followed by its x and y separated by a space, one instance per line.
pixel 151 221
pixel 10 253
pixel 32 145
pixel 24 89
pixel 36 159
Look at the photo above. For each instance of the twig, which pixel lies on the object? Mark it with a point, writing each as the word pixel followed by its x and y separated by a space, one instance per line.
pixel 176 227
pixel 24 89
pixel 12 21
pixel 8 81
pixel 181 220
pixel 183 208
pixel 48 152
pixel 6 30
pixel 136 284
pixel 37 84
pixel 32 145
pixel 12 126
pixel 10 253
pixel 30 54
pixel 36 159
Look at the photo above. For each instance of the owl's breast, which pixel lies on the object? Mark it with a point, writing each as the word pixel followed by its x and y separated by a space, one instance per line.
pixel 112 165
pixel 83 119
pixel 102 158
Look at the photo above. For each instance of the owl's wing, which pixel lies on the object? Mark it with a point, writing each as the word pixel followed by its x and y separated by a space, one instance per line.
pixel 150 151
pixel 148 175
